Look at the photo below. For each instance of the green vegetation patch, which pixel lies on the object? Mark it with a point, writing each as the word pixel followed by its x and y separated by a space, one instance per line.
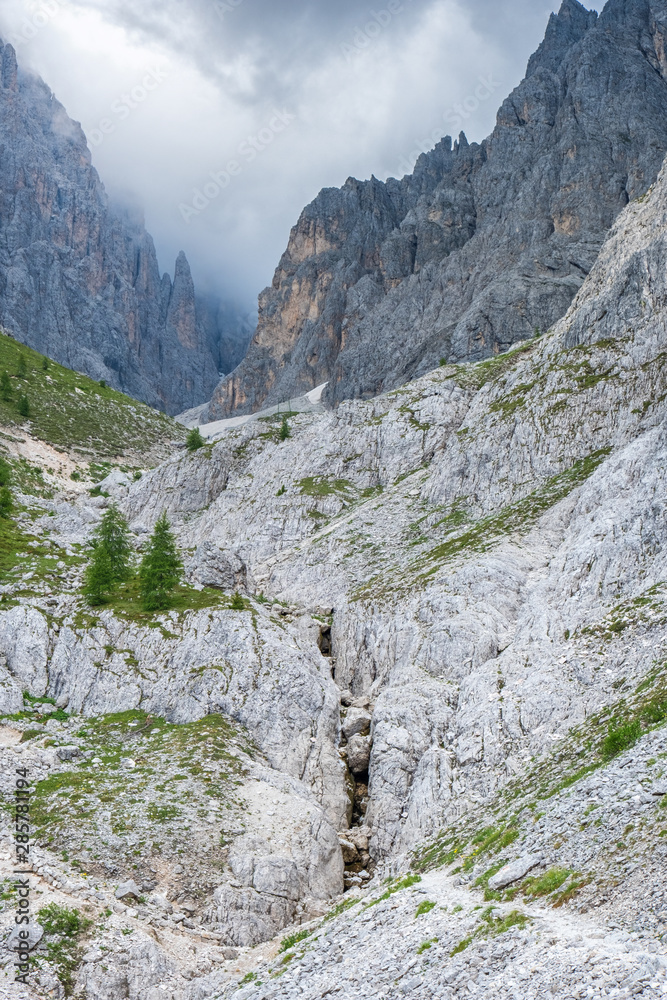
pixel 127 783
pixel 476 375
pixel 71 411
pixel 517 517
pixel 289 942
pixel 394 887
pixel 63 932
pixel 491 926
pixel 320 486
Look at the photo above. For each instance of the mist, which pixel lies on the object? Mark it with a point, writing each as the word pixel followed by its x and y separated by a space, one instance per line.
pixel 221 119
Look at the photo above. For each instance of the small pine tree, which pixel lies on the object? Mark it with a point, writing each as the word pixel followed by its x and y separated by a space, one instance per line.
pixel 195 440
pixel 284 430
pixel 5 472
pixel 6 386
pixel 6 502
pixel 99 582
pixel 24 406
pixel 238 604
pixel 22 367
pixel 45 364
pixel 160 568
pixel 114 534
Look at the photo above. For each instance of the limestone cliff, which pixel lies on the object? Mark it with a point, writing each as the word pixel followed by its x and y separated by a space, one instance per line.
pixel 79 279
pixel 482 244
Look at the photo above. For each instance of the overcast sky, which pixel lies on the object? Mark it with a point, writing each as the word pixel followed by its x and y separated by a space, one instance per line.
pixel 274 98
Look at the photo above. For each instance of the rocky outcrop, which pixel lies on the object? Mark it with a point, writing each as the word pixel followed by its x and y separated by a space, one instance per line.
pixel 473 530
pixel 79 278
pixel 482 244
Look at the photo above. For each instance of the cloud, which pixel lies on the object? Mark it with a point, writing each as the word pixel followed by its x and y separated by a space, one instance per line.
pixel 293 96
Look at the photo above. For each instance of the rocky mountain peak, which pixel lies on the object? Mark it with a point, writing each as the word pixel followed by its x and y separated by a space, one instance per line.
pixel 9 67
pixel 564 30
pixel 482 244
pixel 79 277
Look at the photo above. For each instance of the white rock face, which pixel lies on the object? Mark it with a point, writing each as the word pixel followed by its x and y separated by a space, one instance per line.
pixel 491 541
pixel 467 529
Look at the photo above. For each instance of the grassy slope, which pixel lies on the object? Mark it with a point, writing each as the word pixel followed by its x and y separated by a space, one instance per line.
pixel 73 413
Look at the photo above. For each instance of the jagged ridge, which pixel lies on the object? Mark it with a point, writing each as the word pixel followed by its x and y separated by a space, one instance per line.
pixel 482 244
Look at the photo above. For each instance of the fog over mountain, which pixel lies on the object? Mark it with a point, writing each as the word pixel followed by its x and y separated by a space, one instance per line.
pixel 171 93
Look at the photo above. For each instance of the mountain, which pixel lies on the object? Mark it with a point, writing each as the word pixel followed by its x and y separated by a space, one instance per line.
pixel 419 653
pixel 482 244
pixel 79 278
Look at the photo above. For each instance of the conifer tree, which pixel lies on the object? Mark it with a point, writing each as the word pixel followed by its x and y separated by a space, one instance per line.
pixel 24 406
pixel 99 581
pixel 22 367
pixel 160 567
pixel 195 440
pixel 114 535
pixel 284 430
pixel 110 559
pixel 6 386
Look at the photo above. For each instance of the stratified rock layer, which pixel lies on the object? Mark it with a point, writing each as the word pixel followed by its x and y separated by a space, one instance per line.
pixel 482 244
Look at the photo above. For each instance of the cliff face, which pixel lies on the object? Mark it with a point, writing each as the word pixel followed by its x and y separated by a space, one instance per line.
pixel 79 280
pixel 482 243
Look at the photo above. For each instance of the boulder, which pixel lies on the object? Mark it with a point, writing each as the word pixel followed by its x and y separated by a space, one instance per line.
pixel 514 871
pixel 358 753
pixel 127 889
pixel 350 852
pixel 356 722
pixel 35 933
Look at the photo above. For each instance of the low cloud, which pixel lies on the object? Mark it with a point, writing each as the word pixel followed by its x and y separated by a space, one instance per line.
pixel 363 89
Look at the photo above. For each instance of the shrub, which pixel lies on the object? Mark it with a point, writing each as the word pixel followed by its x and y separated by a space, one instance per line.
pixel 62 930
pixel 24 406
pixel 284 430
pixel 620 738
pixel 160 568
pixel 195 440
